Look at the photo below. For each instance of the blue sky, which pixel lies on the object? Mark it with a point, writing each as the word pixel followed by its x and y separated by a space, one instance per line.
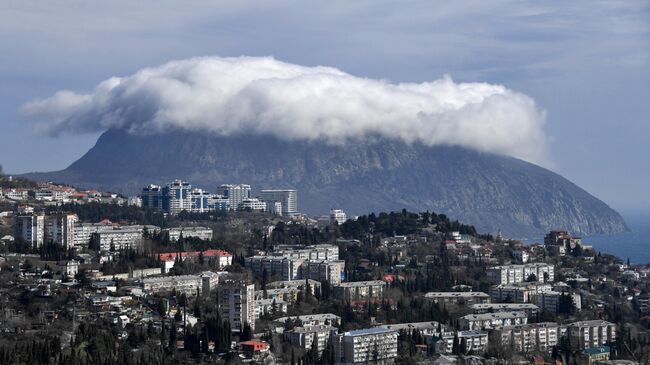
pixel 586 63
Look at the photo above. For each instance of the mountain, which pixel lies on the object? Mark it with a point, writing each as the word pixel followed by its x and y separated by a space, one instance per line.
pixel 487 190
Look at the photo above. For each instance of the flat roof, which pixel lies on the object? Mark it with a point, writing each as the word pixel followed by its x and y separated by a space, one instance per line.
pixel 368 331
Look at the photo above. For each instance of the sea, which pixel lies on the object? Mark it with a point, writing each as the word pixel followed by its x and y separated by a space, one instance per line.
pixel 633 245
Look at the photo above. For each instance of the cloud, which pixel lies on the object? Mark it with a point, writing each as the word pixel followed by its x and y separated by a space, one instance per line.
pixel 262 95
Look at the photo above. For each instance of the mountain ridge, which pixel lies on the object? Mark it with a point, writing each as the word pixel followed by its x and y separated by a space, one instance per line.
pixel 487 190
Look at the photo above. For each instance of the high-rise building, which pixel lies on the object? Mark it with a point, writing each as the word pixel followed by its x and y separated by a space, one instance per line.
pixel 60 229
pixel 338 216
pixel 288 198
pixel 176 197
pixel 236 300
pixel 31 229
pixel 235 193
pixel 151 197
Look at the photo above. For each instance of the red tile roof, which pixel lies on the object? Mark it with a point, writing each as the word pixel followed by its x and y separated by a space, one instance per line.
pixel 170 256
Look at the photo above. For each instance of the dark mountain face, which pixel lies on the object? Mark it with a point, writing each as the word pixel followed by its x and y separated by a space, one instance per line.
pixel 490 191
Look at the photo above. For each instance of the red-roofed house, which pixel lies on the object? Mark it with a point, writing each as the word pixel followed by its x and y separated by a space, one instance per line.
pixel 220 257
pixel 251 348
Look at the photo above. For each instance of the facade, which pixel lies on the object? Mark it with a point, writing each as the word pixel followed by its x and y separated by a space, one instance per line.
pixel 550 300
pixel 513 274
pixel 529 308
pixel 459 298
pixel 306 336
pixel 31 229
pixel 337 216
pixel 123 238
pixel 370 345
pixel 521 293
pixel 425 328
pixel 475 341
pixel 287 197
pixel 328 319
pixel 60 229
pixel 269 307
pixel 176 197
pixel 331 271
pixel 360 291
pixel 151 197
pixel 235 193
pixel 83 231
pixel 530 337
pixel 236 301
pixel 253 205
pixel 314 252
pixel 492 320
pixel 314 286
pixel 586 334
pixel 174 234
pixel 219 258
pixel 202 201
pixel 187 284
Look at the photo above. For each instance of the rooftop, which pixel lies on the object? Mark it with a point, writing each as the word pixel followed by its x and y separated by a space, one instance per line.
pixel 368 331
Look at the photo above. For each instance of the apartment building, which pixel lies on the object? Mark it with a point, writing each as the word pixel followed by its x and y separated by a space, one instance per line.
pixel 174 234
pixel 287 197
pixel 337 216
pixel 586 334
pixel 519 293
pixel 492 320
pixel 306 336
pixel 270 307
pixel 235 193
pixel 528 337
pixel 176 197
pixel 474 341
pixel 458 298
pixel 31 229
pixel 331 271
pixel 425 328
pixel 60 229
pixel 187 284
pixel 313 252
pixel 370 345
pixel 218 258
pixel 530 308
pixel 513 274
pixel 313 285
pixel 328 319
pixel 360 291
pixel 236 301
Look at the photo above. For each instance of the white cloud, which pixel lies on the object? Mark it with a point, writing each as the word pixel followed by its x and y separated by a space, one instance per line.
pixel 262 95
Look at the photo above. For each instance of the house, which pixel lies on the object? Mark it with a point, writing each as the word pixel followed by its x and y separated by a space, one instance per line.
pixel 252 348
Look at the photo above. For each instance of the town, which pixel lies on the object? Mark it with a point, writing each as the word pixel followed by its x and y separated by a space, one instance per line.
pixel 181 275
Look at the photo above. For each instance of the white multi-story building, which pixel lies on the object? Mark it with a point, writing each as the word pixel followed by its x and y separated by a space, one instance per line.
pixel 492 320
pixel 121 238
pixel 83 231
pixel 235 193
pixel 328 319
pixel 586 334
pixel 355 291
pixel 176 197
pixel 331 271
pixel 60 229
pixel 337 216
pixel 513 274
pixel 236 300
pixel 521 256
pixel 288 198
pixel 519 293
pixel 474 341
pixel 370 345
pixel 252 204
pixel 530 337
pixel 271 306
pixel 187 284
pixel 174 234
pixel 314 252
pixel 305 337
pixel 31 229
